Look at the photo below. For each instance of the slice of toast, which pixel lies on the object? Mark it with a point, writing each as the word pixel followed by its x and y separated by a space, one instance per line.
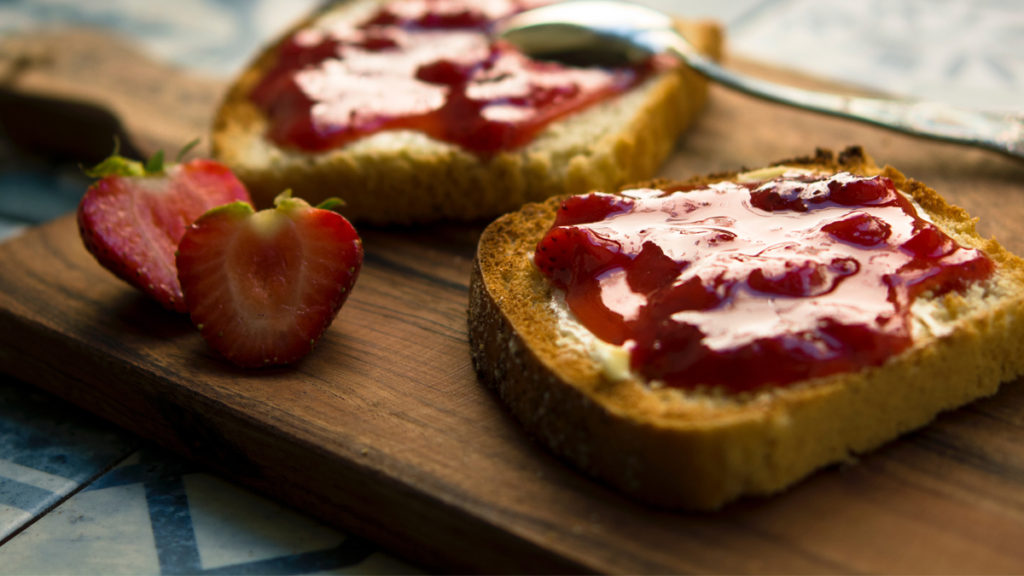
pixel 701 449
pixel 403 176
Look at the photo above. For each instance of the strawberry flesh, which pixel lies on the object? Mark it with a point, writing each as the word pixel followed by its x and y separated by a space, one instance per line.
pixel 263 287
pixel 132 224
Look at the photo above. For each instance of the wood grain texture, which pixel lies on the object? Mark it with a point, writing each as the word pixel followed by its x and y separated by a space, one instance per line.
pixel 67 92
pixel 384 431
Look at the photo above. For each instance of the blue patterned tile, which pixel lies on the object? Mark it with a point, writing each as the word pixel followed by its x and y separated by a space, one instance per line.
pixel 47 450
pixel 94 532
pixel 158 514
pixel 217 506
pixel 17 494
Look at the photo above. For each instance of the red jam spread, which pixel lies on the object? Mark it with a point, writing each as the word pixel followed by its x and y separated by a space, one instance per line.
pixel 743 286
pixel 424 65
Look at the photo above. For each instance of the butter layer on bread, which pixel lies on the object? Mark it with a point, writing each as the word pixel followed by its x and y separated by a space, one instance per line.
pixel 693 449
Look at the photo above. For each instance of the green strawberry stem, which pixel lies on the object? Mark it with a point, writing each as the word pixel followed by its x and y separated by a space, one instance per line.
pixel 334 204
pixel 185 150
pixel 285 201
pixel 117 165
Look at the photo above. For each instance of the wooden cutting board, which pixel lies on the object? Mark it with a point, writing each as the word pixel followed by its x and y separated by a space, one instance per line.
pixel 385 432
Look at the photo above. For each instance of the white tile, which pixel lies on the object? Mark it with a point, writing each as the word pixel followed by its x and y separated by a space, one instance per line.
pixel 379 563
pixel 11 516
pixel 218 509
pixel 95 532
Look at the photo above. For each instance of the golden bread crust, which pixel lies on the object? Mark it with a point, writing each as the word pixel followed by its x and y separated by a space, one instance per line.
pixel 693 450
pixel 403 177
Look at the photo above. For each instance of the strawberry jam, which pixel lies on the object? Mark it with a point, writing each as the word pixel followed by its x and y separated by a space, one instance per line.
pixel 424 65
pixel 743 286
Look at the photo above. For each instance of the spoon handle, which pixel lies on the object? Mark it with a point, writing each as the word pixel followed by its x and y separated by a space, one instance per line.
pixel 1002 132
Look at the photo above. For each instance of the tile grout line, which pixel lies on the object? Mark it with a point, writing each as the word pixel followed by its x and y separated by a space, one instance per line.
pixel 82 486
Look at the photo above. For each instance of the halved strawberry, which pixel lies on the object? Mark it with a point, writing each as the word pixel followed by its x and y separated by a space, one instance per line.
pixel 262 287
pixel 132 218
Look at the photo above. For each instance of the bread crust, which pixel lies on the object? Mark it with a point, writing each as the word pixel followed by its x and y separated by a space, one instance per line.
pixel 691 450
pixel 403 177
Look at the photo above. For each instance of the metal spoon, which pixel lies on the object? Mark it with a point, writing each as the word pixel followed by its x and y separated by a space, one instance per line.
pixel 609 32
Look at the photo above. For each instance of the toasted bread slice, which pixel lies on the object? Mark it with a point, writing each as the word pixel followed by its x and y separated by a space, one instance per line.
pixel 700 450
pixel 402 176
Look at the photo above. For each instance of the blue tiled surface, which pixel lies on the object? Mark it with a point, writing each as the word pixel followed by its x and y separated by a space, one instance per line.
pixel 155 513
pixel 47 450
pixel 120 506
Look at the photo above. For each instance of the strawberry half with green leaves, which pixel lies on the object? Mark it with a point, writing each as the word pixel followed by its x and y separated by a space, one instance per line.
pixel 132 218
pixel 262 287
